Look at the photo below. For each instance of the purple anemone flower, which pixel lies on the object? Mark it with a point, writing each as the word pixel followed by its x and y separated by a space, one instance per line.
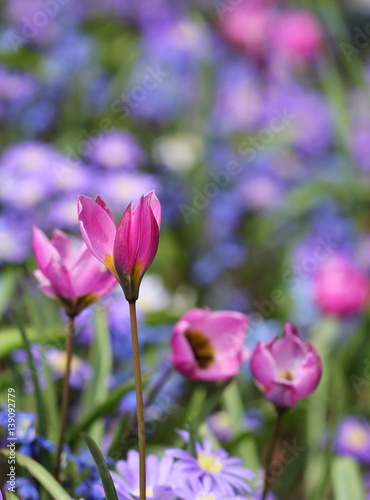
pixel 353 439
pixel 228 473
pixel 161 476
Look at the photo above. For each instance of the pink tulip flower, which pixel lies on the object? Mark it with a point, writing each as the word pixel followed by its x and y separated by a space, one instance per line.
pixel 75 280
pixel 297 35
pixel 341 288
pixel 247 27
pixel 129 249
pixel 286 369
pixel 209 345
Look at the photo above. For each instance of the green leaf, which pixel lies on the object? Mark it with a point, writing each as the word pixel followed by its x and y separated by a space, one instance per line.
pixel 10 338
pixel 108 485
pixel 104 407
pixel 101 360
pixel 11 496
pixel 41 475
pixel 346 479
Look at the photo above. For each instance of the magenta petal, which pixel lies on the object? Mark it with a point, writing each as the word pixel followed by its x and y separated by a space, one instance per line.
pixel 262 366
pixel 126 242
pixel 44 284
pixel 62 243
pixel 148 237
pixel 282 395
pixel 60 280
pixel 102 203
pixel 155 206
pixel 227 329
pixel 90 276
pixel 44 251
pixel 135 246
pixel 289 351
pixel 182 356
pixel 309 374
pixel 97 228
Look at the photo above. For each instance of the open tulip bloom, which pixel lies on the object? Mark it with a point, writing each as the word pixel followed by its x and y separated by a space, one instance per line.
pixel 127 250
pixel 75 280
pixel 209 345
pixel 286 369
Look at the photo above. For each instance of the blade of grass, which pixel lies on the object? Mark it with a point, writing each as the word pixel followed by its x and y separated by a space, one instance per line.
pixel 41 475
pixel 102 466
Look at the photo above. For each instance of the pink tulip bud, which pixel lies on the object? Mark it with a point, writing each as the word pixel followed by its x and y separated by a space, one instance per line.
pixel 286 369
pixel 209 345
pixel 128 250
pixel 341 288
pixel 75 280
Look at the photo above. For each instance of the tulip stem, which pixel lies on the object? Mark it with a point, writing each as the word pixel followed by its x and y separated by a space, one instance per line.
pixel 148 400
pixel 270 453
pixel 139 399
pixel 65 395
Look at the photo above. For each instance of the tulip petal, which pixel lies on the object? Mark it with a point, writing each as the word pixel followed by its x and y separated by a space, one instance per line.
pixel 282 395
pixel 44 251
pixel 263 366
pixel 62 243
pixel 89 276
pixel 155 206
pixel 226 329
pixel 60 280
pixel 309 374
pixel 97 228
pixel 102 203
pixel 44 284
pixel 135 246
pixel 182 356
pixel 289 351
pixel 126 242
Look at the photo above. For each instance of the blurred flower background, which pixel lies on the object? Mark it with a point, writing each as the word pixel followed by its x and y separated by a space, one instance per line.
pixel 251 120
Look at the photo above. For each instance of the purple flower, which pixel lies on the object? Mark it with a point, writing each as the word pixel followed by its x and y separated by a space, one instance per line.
pixel 302 116
pixel 81 371
pixel 161 476
pixel 203 489
pixel 16 87
pixel 116 150
pixel 15 246
pixel 353 439
pixel 227 473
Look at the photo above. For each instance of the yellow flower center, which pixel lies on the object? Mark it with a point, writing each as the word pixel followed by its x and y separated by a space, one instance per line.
pixel 149 492
pixel 209 463
pixel 287 375
pixel 358 438
pixel 202 496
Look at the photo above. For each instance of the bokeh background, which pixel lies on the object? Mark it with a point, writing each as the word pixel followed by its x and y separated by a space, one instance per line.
pixel 251 120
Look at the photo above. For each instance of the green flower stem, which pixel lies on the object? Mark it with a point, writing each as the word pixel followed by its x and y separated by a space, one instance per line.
pixel 270 453
pixel 65 395
pixel 139 399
